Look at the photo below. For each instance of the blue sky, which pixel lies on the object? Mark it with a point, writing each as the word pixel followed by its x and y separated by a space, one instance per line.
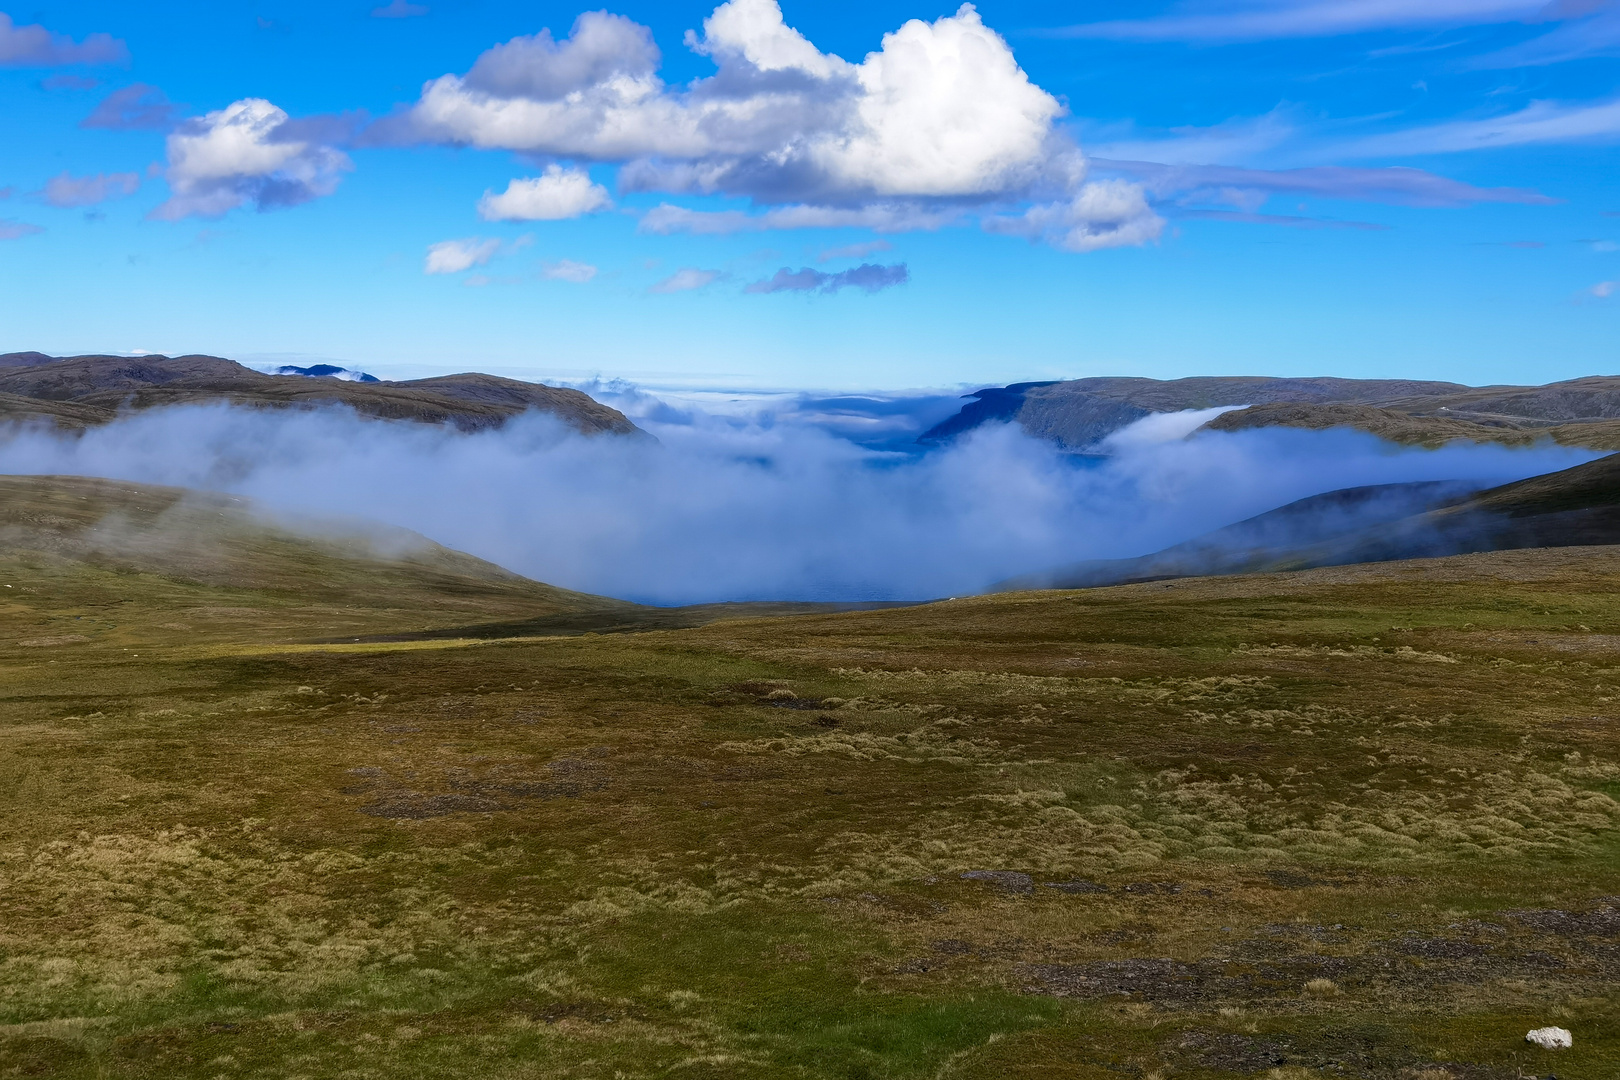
pixel 1420 188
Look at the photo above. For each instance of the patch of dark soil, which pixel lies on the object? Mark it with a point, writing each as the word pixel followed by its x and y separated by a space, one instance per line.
pixel 1075 887
pixel 1152 888
pixel 1172 981
pixel 1374 1055
pixel 1007 880
pixel 1285 937
pixel 759 687
pixel 39 1056
pixel 1414 944
pixel 1226 1052
pixel 570 778
pixel 549 1012
pixel 1602 921
pixel 738 774
pixel 1290 879
pixel 951 946
pixel 416 806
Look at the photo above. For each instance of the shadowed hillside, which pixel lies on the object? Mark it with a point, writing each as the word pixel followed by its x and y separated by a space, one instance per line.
pixel 83 390
pixel 1573 507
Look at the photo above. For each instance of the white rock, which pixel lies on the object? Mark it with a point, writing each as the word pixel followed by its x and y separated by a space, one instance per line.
pixel 1551 1038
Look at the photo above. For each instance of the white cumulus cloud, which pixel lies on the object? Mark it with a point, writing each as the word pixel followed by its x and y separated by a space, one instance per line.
pixel 938 122
pixel 247 152
pixel 454 256
pixel 1102 214
pixel 557 194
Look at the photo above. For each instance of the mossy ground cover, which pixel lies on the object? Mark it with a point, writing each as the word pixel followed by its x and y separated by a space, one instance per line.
pixel 1358 822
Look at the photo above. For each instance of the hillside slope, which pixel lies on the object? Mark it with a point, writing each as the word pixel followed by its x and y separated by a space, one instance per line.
pixel 1429 429
pixel 1078 414
pixel 83 390
pixel 199 562
pixel 1575 507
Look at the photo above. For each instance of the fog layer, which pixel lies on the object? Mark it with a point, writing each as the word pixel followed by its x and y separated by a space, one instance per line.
pixel 739 508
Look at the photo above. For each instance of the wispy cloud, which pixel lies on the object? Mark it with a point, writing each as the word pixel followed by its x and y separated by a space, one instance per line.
pixel 136 107
pixel 1287 220
pixel 67 190
pixel 1604 289
pixel 1235 141
pixel 854 251
pixel 1597 35
pixel 1397 185
pixel 665 219
pixel 12 229
pixel 1541 122
pixel 399 9
pixel 868 277
pixel 35 46
pixel 69 82
pixel 1259 20
pixel 454 256
pixel 568 270
pixel 685 280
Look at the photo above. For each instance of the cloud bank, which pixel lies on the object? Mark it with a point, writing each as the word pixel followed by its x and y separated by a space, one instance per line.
pixel 729 508
pixel 938 121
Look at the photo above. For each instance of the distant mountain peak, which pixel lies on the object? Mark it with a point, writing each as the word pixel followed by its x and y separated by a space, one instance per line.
pixel 325 371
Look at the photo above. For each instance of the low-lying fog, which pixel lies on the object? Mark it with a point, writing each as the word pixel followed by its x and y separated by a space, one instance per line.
pixel 794 499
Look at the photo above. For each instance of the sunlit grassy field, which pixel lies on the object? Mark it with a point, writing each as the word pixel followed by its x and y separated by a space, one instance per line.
pixel 1343 823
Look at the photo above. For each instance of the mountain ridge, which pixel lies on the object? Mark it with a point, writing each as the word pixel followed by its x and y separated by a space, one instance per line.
pixel 82 391
pixel 1078 414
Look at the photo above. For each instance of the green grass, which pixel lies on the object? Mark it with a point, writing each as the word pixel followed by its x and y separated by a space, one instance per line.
pixel 636 855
